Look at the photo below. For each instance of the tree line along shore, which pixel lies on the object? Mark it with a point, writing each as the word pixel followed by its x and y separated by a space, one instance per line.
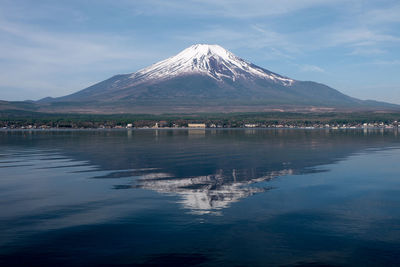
pixel 24 120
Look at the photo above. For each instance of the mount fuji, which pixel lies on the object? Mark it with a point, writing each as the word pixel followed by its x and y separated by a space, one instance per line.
pixel 205 78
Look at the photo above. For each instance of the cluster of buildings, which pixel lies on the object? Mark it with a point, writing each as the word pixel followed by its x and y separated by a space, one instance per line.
pixel 374 125
pixel 202 125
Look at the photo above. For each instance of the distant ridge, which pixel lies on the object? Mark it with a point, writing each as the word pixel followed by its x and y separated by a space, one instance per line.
pixel 205 78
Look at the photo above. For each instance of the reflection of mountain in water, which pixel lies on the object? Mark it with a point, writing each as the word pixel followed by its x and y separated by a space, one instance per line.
pixel 208 171
pixel 204 194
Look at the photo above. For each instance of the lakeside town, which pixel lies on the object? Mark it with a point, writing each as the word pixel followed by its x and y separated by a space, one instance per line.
pixel 201 125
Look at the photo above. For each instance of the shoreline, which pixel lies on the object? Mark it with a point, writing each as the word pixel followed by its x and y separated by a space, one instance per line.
pixel 207 128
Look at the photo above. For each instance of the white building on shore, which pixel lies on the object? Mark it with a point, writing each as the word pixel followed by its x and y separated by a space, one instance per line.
pixel 197 125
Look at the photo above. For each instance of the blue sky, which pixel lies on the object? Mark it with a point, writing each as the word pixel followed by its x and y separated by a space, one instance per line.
pixel 53 48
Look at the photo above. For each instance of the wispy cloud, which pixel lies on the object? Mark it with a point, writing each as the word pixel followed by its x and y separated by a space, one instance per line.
pixel 367 51
pixel 37 59
pixel 360 37
pixel 229 8
pixel 255 37
pixel 311 68
pixel 381 15
pixel 386 62
pixel 31 44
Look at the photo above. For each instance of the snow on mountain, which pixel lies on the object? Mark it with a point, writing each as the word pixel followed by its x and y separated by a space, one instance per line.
pixel 211 60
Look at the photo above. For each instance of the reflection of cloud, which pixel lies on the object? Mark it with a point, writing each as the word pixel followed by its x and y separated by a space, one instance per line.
pixel 210 193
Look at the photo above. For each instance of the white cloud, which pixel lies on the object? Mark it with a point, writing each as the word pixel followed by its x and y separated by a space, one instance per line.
pixel 311 68
pixel 360 37
pixel 255 37
pixel 367 51
pixel 30 44
pixel 386 62
pixel 56 63
pixel 233 8
pixel 388 14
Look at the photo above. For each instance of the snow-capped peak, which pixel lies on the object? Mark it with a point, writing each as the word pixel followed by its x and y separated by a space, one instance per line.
pixel 211 60
pixel 203 51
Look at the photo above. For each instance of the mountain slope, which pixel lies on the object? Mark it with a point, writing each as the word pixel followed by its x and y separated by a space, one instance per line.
pixel 205 77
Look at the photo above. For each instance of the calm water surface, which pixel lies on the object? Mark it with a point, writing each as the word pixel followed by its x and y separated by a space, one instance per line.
pixel 200 197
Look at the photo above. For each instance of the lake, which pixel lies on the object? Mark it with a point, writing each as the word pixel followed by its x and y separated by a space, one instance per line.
pixel 235 197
